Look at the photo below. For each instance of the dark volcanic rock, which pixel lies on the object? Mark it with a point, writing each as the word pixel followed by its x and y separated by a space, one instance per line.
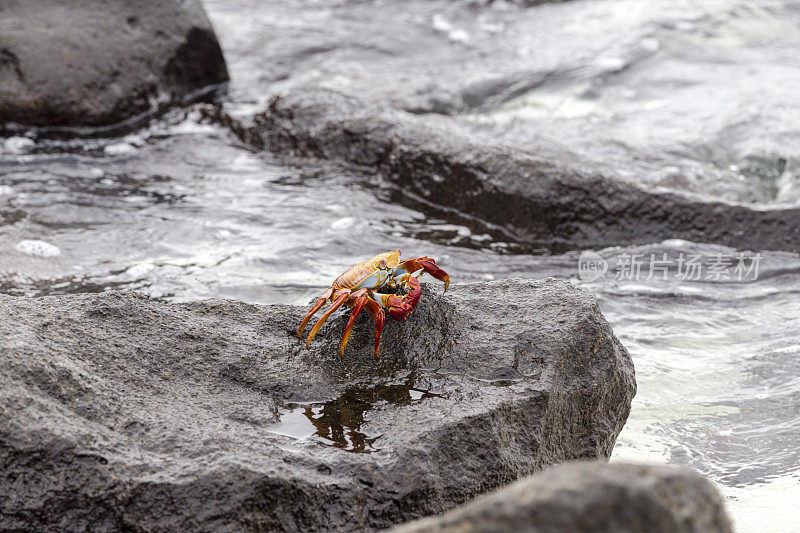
pixel 99 62
pixel 537 196
pixel 593 498
pixel 121 412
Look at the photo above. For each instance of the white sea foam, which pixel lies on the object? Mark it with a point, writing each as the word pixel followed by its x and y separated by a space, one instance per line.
pixel 18 145
pixel 38 248
pixel 120 149
pixel 140 270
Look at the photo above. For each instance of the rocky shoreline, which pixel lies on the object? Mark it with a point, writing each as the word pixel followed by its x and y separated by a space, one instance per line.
pixel 543 197
pixel 122 412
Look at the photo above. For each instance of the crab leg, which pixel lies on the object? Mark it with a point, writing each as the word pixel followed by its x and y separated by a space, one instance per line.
pixel 319 303
pixel 425 263
pixel 376 311
pixel 360 299
pixel 340 297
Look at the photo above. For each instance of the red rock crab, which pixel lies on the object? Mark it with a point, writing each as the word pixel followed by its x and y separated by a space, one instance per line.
pixel 357 287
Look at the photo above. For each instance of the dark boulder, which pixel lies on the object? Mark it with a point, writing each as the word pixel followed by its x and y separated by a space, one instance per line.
pixel 122 412
pixel 592 497
pixel 543 196
pixel 100 62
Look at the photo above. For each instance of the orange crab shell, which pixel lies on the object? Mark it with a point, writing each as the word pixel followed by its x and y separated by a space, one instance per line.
pixel 370 274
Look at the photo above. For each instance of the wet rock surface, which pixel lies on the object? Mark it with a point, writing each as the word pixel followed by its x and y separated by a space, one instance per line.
pixel 122 412
pixel 544 196
pixel 97 63
pixel 592 497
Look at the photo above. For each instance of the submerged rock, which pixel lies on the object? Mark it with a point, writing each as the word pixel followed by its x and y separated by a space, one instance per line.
pixel 96 63
pixel 592 497
pixel 542 196
pixel 121 412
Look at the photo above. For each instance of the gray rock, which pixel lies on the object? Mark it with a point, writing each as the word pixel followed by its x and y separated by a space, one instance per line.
pixel 537 196
pixel 592 497
pixel 122 412
pixel 99 62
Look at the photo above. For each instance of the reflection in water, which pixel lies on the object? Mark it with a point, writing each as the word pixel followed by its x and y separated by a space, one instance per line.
pixel 337 422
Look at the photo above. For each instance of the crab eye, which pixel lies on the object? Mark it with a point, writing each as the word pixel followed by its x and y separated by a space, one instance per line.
pixel 382 264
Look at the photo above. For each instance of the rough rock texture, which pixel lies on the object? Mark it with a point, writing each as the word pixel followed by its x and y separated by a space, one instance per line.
pixel 594 498
pixel 121 412
pixel 537 196
pixel 98 62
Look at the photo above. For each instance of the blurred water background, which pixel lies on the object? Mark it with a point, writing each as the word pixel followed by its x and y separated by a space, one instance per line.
pixel 696 96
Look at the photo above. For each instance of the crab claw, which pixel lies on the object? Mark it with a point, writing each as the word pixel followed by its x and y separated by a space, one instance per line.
pixel 429 265
pixel 400 306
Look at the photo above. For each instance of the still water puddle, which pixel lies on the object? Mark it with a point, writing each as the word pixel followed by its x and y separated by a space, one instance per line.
pixel 338 422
